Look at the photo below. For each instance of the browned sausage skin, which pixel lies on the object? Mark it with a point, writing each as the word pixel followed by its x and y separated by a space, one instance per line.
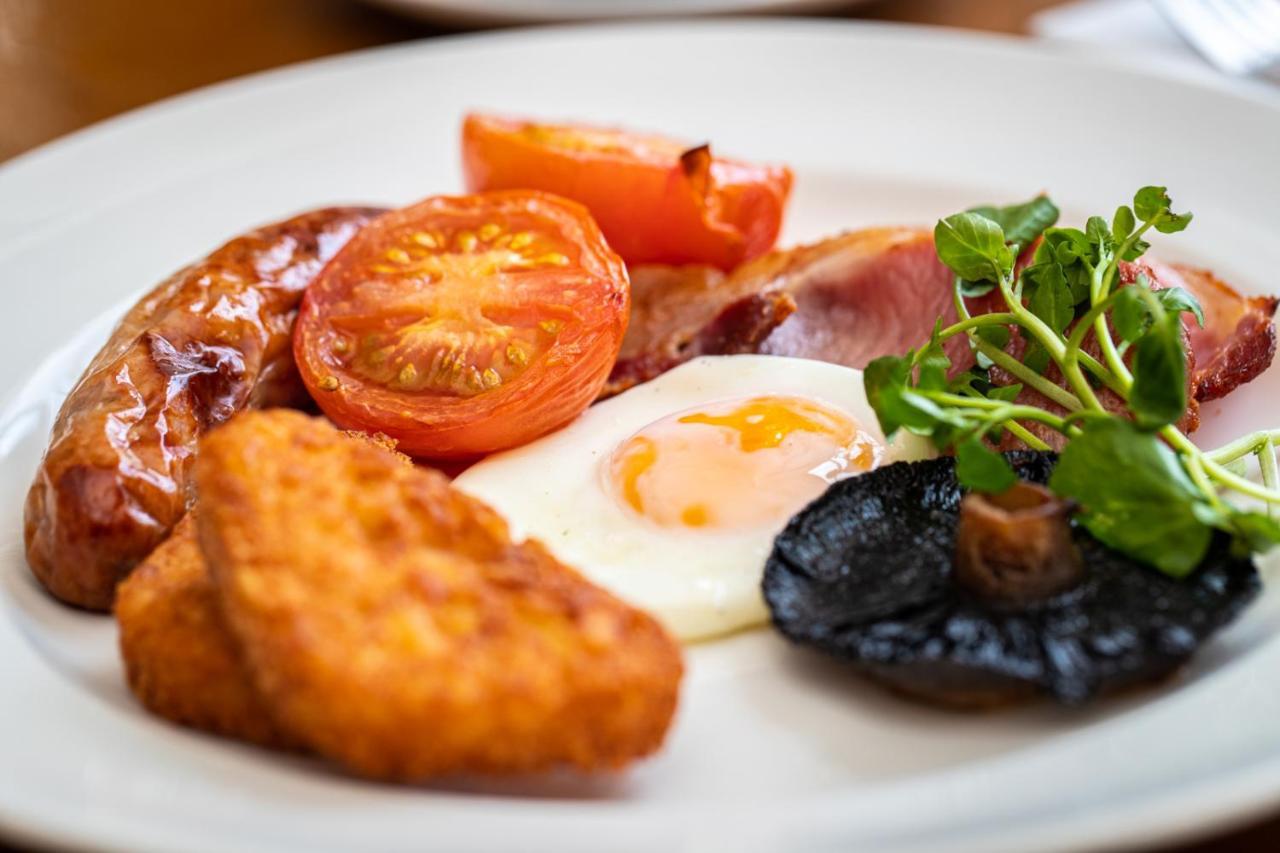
pixel 211 340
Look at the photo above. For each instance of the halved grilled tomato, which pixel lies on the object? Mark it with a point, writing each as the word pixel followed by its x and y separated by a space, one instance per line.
pixel 461 326
pixel 656 199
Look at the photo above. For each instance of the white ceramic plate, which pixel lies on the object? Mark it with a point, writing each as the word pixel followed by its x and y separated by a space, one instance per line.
pixel 546 11
pixel 773 749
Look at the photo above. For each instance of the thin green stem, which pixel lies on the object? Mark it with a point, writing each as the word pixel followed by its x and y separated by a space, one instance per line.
pixel 1081 329
pixel 1086 415
pixel 1011 413
pixel 1070 361
pixel 1102 333
pixel 1029 377
pixel 1217 471
pixel 1114 266
pixel 1071 369
pixel 957 296
pixel 1101 289
pixel 1006 411
pixel 1025 436
pixel 963 400
pixel 1243 446
pixel 1115 358
pixel 976 401
pixel 1006 319
pixel 1006 415
pixel 974 322
pixel 1099 293
pixel 1048 338
pixel 1103 375
pixel 1195 468
pixel 1267 464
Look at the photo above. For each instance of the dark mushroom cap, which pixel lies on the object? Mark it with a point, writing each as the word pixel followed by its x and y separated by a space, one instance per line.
pixel 864 573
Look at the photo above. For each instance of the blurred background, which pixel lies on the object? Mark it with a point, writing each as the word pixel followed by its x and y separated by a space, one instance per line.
pixel 68 63
pixel 65 64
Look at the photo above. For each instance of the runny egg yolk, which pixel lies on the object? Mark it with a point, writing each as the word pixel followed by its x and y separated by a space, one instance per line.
pixel 738 463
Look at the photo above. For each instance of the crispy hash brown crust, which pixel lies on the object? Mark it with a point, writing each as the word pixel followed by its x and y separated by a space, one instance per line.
pixel 391 624
pixel 179 659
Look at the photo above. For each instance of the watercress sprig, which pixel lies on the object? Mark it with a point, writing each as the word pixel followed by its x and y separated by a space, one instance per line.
pixel 1143 487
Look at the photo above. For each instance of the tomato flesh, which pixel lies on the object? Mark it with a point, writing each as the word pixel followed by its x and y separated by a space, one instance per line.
pixel 461 326
pixel 656 199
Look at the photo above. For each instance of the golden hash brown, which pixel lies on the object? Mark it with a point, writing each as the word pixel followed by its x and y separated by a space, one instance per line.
pixel 391 624
pixel 179 659
pixel 378 439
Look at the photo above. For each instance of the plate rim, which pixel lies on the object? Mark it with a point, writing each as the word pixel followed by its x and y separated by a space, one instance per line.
pixel 1255 789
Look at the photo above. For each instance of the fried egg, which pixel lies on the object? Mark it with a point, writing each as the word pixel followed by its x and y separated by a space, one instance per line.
pixel 670 494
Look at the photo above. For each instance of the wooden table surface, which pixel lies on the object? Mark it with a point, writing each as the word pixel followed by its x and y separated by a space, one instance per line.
pixel 65 64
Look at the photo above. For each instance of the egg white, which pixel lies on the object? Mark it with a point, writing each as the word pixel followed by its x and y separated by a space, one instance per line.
pixel 699 583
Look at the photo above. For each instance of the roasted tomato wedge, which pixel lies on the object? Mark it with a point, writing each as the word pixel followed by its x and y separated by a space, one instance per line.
pixel 656 199
pixel 461 326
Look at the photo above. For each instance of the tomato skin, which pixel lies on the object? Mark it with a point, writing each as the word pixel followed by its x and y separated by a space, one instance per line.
pixel 557 384
pixel 655 201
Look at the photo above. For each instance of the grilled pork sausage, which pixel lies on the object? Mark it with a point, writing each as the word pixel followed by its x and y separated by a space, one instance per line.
pixel 211 340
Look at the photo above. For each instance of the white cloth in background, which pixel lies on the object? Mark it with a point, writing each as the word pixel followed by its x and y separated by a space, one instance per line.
pixel 1134 28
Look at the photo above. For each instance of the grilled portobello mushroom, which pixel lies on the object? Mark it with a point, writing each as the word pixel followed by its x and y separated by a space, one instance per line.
pixel 871 573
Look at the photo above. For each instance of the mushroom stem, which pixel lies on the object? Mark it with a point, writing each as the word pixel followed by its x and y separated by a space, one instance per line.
pixel 1016 547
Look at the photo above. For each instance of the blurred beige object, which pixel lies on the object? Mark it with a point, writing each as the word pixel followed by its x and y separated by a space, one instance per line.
pixel 1186 38
pixel 1240 37
pixel 65 64
pixel 544 11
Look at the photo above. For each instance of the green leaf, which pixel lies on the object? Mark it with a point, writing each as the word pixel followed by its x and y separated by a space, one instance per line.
pixel 1122 223
pixel 981 469
pixel 1035 357
pixel 1038 272
pixel 1005 393
pixel 1044 253
pixel 1022 223
pixel 1069 244
pixel 1255 532
pixel 884 380
pixel 887 382
pixel 1136 250
pixel 997 336
pixel 974 381
pixel 1078 279
pixel 1153 205
pixel 1173 223
pixel 1051 300
pixel 973 247
pixel 1136 496
pixel 1150 202
pixel 1130 313
pixel 1159 393
pixel 1176 301
pixel 934 363
pixel 974 289
pixel 1099 234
